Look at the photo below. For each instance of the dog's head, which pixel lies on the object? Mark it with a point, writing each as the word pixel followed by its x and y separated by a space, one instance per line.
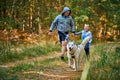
pixel 70 45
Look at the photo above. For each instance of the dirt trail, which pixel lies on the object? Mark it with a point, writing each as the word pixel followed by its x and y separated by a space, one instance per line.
pixel 58 73
pixel 63 72
pixel 12 64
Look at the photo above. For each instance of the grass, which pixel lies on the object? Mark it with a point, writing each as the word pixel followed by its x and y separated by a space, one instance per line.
pixel 105 67
pixel 11 53
pixel 8 55
pixel 26 70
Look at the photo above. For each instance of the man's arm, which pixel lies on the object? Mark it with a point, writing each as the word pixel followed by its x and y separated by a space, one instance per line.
pixel 72 25
pixel 54 24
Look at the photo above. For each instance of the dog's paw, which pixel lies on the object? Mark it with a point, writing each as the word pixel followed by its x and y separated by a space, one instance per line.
pixel 69 66
pixel 75 69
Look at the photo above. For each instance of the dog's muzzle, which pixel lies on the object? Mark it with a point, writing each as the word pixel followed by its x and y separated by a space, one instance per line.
pixel 70 48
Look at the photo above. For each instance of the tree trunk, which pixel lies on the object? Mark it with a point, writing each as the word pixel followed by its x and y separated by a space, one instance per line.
pixel 39 26
pixel 30 13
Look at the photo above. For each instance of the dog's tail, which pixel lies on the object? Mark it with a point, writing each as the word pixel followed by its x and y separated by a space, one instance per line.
pixel 85 41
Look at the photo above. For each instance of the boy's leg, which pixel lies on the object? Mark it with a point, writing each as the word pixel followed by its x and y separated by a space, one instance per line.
pixel 87 52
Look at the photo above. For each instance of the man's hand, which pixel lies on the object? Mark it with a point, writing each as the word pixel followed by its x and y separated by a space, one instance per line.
pixel 49 33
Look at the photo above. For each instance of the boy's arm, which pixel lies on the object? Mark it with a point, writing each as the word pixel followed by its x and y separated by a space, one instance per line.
pixel 90 35
pixel 77 33
pixel 54 23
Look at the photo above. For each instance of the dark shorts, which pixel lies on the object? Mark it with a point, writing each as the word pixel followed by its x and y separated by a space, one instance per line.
pixel 62 36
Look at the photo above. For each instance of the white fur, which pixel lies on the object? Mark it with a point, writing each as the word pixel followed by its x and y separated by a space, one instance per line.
pixel 74 50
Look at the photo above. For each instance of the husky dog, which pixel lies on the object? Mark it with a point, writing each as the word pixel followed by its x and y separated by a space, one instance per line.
pixel 74 52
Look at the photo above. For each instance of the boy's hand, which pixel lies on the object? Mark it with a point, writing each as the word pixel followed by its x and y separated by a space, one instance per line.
pixel 72 34
pixel 49 33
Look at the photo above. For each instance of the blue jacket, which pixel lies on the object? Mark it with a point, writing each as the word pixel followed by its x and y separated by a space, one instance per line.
pixel 63 23
pixel 85 34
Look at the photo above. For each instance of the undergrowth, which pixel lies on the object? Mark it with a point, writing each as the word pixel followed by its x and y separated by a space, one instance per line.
pixel 107 65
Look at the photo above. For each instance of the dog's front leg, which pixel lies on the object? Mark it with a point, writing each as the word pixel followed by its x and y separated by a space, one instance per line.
pixel 69 63
pixel 76 64
pixel 73 63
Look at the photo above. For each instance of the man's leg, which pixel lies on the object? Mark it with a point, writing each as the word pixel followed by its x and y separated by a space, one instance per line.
pixel 64 44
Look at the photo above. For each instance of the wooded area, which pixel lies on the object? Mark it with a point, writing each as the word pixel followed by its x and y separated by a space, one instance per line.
pixel 35 16
pixel 27 52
